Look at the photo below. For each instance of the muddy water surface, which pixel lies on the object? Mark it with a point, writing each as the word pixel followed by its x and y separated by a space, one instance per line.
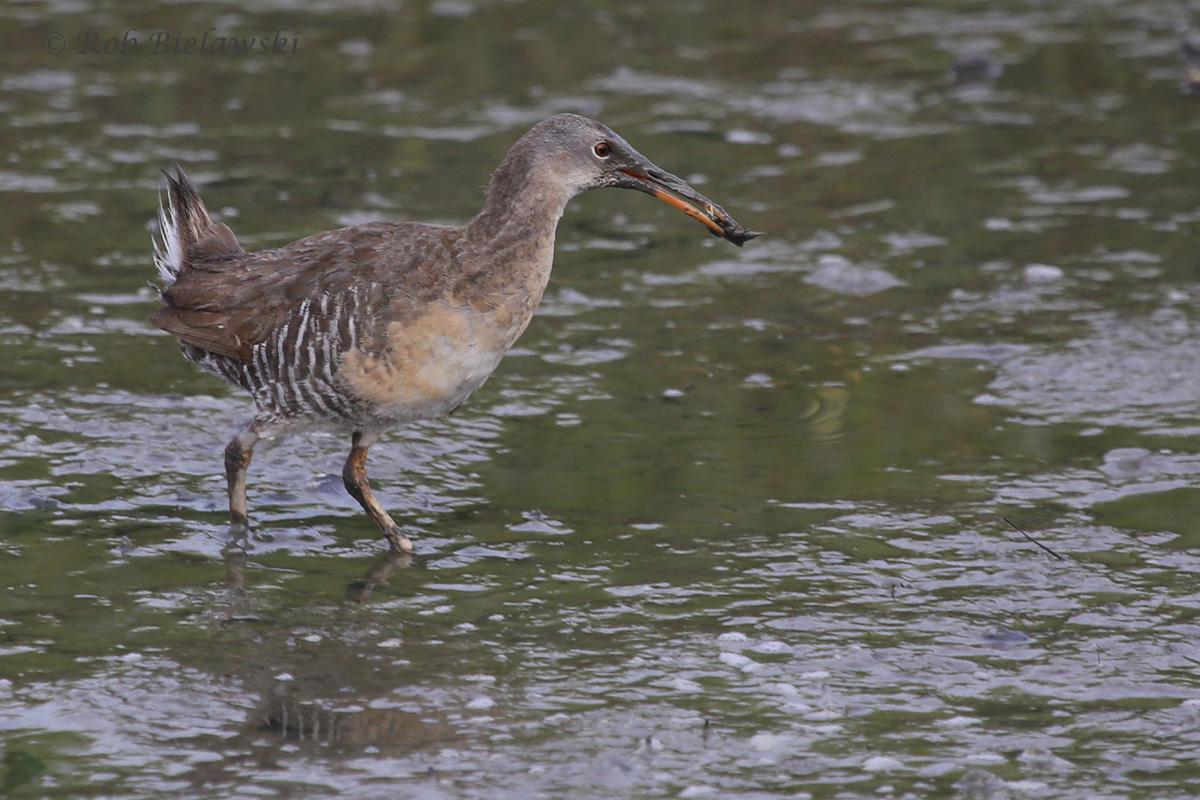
pixel 728 523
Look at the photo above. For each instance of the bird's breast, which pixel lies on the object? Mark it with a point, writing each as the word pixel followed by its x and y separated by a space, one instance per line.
pixel 428 363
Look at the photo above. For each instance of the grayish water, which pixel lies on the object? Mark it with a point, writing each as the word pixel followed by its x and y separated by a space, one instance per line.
pixel 728 523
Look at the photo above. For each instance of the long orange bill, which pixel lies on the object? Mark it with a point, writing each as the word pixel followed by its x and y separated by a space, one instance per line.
pixel 673 190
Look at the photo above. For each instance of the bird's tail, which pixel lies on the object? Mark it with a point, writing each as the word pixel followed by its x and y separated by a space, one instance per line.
pixel 188 234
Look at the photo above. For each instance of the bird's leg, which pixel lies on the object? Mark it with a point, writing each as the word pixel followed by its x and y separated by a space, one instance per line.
pixel 354 475
pixel 237 458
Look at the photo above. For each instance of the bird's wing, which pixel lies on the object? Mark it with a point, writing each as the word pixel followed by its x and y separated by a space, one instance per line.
pixel 228 305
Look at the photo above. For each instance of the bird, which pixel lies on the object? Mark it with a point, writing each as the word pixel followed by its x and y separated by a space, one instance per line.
pixel 361 329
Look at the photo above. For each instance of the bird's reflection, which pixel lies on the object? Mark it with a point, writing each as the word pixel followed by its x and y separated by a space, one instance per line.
pixel 298 706
pixel 359 591
pixel 289 717
pixel 236 553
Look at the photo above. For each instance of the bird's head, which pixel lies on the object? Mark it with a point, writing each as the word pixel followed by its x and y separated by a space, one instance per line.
pixel 585 154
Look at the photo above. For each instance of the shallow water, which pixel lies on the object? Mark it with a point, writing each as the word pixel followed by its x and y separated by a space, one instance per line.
pixel 901 500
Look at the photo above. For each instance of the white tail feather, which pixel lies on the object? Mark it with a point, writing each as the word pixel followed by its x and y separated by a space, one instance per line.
pixel 168 258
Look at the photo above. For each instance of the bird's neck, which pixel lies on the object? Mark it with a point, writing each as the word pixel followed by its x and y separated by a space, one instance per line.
pixel 523 199
pixel 511 240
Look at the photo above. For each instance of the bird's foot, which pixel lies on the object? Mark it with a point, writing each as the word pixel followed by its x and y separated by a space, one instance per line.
pixel 398 541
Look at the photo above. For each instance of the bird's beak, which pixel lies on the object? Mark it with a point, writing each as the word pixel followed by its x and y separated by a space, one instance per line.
pixel 645 177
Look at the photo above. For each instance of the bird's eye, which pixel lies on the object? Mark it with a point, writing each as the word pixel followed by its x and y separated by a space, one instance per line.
pixel 602 149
